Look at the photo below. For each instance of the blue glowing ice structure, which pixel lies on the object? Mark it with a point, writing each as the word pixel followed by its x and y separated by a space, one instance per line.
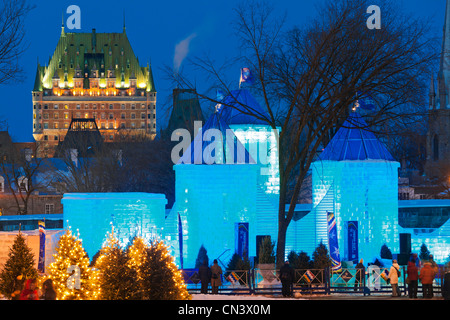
pixel 356 178
pixel 212 200
pixel 261 141
pixel 428 222
pixel 131 214
pixel 224 206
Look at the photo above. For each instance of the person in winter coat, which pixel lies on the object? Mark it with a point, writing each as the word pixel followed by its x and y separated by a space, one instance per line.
pixel 29 292
pixel 446 286
pixel 426 276
pixel 359 274
pixel 204 273
pixel 394 274
pixel 287 279
pixel 49 292
pixel 413 277
pixel 216 281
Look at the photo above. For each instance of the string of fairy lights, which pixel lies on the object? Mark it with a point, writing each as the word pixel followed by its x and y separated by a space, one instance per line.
pixel 70 252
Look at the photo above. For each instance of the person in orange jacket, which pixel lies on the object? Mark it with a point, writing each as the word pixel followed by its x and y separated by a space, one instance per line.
pixel 427 274
pixel 413 277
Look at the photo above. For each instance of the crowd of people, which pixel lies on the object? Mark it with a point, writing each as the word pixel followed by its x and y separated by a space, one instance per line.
pixel 30 291
pixel 416 271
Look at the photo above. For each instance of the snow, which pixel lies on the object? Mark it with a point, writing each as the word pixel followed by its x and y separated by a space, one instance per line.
pixel 297 296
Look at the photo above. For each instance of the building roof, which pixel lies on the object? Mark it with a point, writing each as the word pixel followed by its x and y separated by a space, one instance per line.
pixel 87 52
pixel 186 109
pixel 354 141
pixel 236 106
pixel 229 151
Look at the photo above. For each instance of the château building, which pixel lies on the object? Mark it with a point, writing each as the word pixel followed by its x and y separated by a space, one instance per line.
pixel 93 75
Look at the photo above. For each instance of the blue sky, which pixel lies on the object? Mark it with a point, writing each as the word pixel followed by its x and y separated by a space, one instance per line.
pixel 154 28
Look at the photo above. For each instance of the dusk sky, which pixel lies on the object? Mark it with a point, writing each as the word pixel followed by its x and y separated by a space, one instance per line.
pixel 154 28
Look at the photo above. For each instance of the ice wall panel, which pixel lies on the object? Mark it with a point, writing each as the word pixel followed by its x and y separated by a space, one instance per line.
pixel 131 214
pixel 363 191
pixel 211 199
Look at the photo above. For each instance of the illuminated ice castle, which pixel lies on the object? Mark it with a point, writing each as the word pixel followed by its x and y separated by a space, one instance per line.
pixel 227 191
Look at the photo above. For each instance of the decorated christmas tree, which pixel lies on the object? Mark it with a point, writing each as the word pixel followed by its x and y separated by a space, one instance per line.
pixel 18 268
pixel 116 278
pixel 160 277
pixel 70 272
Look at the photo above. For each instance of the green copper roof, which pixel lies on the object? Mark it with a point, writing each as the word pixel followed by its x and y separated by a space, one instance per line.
pixel 90 52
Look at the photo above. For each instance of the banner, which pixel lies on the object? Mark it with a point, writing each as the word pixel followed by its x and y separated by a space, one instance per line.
pixel 241 234
pixel 352 241
pixel 41 262
pixel 333 243
pixel 180 239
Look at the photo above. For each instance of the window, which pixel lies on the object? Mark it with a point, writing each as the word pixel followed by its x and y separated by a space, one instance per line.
pixel 56 115
pixel 122 116
pixel 133 116
pixel 111 116
pixel 49 208
pixel 142 115
pixel 55 126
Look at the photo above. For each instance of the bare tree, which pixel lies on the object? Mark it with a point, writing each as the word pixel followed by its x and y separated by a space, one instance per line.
pixel 12 38
pixel 24 175
pixel 308 77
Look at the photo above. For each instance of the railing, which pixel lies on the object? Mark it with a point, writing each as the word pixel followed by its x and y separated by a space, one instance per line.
pixel 367 281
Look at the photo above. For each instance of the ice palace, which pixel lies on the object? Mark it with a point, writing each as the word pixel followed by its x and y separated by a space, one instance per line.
pixel 227 206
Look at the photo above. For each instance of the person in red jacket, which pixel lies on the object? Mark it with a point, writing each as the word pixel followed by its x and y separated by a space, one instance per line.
pixel 413 277
pixel 426 276
pixel 29 292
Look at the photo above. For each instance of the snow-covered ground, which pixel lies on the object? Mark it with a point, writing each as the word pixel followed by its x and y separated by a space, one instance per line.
pixel 242 297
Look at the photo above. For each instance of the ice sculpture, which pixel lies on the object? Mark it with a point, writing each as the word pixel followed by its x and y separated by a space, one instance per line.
pixel 134 213
pixel 224 206
pixel 356 178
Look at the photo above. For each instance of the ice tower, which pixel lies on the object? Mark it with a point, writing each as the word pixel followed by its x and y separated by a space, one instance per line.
pixel 356 178
pixel 228 197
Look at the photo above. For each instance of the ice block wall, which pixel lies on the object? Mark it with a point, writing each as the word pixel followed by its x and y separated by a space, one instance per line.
pixel 261 142
pixel 131 214
pixel 362 191
pixel 211 200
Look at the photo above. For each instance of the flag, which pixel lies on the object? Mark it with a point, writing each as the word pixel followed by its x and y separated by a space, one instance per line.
pixel 41 262
pixel 220 95
pixel 384 274
pixel 309 276
pixel 246 76
pixel 365 101
pixel 180 239
pixel 333 243
pixel 232 277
